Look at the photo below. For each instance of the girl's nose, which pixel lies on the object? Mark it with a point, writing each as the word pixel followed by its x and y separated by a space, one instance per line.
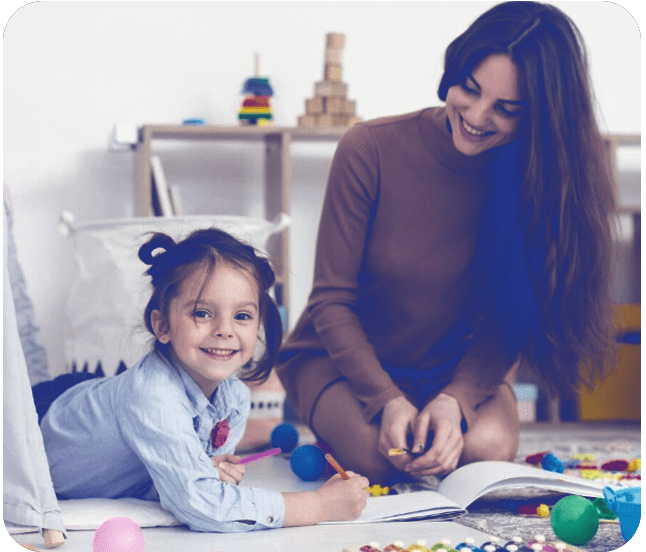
pixel 223 329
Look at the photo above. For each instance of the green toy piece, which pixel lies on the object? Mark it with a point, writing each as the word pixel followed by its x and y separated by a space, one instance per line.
pixel 575 520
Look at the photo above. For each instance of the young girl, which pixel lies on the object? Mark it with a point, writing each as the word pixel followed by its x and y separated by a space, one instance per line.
pixel 156 431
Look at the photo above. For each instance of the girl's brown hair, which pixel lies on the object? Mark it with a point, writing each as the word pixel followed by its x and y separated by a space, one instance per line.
pixel 202 249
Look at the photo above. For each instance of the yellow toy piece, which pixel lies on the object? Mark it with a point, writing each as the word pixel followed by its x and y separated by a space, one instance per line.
pixel 585 457
pixel 543 510
pixel 635 464
pixel 378 490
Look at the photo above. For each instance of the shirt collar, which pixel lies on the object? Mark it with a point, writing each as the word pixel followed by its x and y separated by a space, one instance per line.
pixel 220 401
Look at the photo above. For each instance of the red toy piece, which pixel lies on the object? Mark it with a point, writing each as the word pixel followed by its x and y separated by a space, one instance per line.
pixel 535 459
pixel 615 465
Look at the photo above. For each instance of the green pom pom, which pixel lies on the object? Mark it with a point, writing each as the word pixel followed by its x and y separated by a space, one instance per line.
pixel 575 520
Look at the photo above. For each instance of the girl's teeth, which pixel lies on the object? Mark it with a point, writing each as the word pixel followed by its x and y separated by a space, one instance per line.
pixel 219 352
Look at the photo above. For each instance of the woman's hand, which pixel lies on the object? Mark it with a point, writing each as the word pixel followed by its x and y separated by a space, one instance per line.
pixel 398 420
pixel 442 417
pixel 229 468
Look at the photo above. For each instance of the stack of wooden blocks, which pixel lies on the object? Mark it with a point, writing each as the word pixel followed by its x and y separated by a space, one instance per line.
pixel 330 106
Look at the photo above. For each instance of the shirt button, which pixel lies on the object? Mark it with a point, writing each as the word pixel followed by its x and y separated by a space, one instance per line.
pixel 270 519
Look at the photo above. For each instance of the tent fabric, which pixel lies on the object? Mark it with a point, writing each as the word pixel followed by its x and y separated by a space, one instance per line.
pixel 29 500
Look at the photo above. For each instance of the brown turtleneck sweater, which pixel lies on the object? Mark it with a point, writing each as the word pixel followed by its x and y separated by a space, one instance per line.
pixel 397 236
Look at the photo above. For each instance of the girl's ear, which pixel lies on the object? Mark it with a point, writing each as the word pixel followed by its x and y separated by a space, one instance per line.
pixel 160 326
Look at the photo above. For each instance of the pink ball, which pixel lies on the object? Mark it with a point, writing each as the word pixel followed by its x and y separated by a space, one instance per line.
pixel 118 534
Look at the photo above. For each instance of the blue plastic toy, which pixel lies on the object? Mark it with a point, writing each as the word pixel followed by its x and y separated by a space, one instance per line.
pixel 285 437
pixel 308 462
pixel 627 504
pixel 552 463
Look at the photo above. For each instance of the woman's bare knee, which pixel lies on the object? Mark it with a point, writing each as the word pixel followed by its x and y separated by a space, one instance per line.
pixel 495 434
pixel 489 444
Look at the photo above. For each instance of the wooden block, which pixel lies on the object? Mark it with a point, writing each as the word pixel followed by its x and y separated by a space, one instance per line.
pixel 335 106
pixel 350 107
pixel 332 72
pixel 328 89
pixel 314 106
pixel 307 120
pixel 335 40
pixel 333 55
pixel 325 120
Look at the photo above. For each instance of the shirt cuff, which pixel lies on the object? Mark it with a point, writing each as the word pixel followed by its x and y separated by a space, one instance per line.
pixel 270 509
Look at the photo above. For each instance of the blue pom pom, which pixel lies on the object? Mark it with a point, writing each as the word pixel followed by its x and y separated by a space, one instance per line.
pixel 308 462
pixel 285 437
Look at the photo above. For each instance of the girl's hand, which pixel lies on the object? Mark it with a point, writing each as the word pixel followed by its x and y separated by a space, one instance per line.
pixel 442 416
pixel 398 420
pixel 343 499
pixel 229 468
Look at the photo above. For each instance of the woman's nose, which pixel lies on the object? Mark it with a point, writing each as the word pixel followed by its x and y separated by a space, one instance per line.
pixel 479 113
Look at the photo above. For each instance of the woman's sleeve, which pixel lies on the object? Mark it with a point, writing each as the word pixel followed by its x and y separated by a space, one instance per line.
pixel 160 431
pixel 348 210
pixel 479 373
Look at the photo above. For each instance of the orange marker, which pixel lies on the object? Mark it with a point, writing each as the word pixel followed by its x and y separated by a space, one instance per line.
pixel 336 466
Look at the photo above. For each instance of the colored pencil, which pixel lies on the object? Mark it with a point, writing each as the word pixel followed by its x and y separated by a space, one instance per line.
pixel 260 456
pixel 336 466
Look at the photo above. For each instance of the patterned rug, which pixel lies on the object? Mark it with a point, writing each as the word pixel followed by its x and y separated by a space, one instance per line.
pixel 605 441
pixel 492 514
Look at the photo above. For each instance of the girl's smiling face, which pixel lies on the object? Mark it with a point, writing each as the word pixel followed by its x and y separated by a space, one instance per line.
pixel 486 109
pixel 212 332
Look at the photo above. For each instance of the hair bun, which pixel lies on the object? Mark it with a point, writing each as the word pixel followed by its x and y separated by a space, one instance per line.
pixel 157 241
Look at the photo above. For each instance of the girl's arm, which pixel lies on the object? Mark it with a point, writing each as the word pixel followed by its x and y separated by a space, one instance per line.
pixel 337 500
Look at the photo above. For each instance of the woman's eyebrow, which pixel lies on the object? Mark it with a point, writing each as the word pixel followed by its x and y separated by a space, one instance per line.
pixel 520 103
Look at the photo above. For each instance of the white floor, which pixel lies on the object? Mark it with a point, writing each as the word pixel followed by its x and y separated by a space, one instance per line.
pixel 276 473
pixel 297 539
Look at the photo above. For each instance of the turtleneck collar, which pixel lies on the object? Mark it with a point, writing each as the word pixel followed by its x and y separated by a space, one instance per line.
pixel 437 137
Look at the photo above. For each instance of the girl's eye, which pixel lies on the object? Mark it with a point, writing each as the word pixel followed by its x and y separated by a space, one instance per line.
pixel 201 314
pixel 243 316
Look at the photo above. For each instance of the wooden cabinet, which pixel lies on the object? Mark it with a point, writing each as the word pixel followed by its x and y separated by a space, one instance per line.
pixel 277 172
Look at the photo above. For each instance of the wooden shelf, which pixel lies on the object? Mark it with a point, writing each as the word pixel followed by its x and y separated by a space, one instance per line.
pixel 277 172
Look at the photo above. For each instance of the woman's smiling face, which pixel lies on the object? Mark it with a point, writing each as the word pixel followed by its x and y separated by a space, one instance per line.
pixel 486 109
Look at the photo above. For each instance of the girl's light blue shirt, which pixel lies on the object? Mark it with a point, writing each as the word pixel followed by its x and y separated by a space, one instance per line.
pixel 146 433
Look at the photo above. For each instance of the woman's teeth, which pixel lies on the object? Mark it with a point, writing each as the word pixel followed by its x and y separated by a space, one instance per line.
pixel 471 130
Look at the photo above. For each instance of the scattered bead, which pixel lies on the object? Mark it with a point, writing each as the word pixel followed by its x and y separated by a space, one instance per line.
pixel 397 546
pixel 552 463
pixel 615 465
pixel 535 459
pixel 543 510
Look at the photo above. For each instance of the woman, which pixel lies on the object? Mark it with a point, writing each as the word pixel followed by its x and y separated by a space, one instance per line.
pixel 456 243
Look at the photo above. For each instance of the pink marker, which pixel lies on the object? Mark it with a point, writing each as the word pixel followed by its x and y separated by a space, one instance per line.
pixel 254 457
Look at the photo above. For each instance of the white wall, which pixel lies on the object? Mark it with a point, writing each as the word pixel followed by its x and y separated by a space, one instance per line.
pixel 74 69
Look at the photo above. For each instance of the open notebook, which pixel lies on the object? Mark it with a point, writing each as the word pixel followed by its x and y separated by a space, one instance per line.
pixel 467 484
